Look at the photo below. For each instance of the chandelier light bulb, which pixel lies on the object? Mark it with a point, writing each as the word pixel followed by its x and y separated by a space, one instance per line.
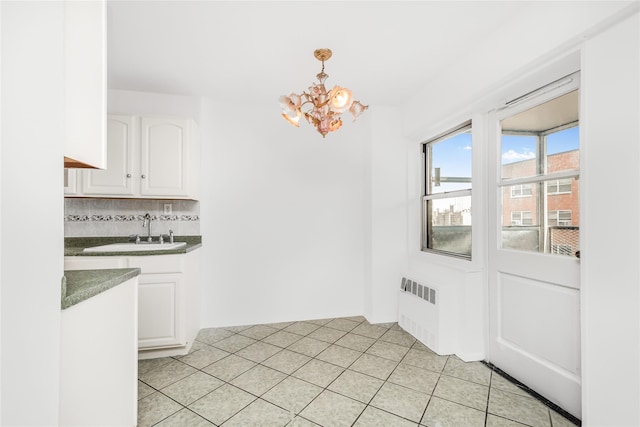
pixel 320 108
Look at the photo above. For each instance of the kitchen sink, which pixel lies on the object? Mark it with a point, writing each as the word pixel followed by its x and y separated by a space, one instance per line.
pixel 135 247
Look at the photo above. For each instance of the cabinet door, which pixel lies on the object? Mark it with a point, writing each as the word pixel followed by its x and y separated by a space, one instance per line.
pixel 118 178
pixel 160 311
pixel 164 152
pixel 70 182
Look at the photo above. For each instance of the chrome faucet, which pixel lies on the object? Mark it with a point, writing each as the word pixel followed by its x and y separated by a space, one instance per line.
pixel 146 222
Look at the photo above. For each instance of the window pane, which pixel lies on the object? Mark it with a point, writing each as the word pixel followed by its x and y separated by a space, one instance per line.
pixel 450 160
pixel 523 228
pixel 518 156
pixel 448 225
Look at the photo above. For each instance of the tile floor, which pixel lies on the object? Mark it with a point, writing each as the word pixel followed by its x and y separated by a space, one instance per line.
pixel 329 372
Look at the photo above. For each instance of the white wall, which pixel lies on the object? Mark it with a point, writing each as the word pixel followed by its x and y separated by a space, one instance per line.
pixel 282 216
pixel 611 387
pixel 32 206
pixel 386 215
pixel 611 245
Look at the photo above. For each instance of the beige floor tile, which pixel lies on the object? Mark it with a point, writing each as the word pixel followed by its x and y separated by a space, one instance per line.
pixel 212 335
pixel 167 374
pixel 192 388
pixel 558 420
pixel 338 355
pixel 204 357
pixel 308 346
pixel 236 329
pixel 398 337
pixel 260 413
pixel 327 334
pixel 301 422
pixel 462 392
pixel 144 390
pixel 495 421
pixel 357 386
pixel 425 360
pixel 414 378
pixel 345 325
pixel 471 371
pixel 388 350
pixel 234 343
pixel 282 339
pixel 332 409
pixel 280 325
pixel 318 372
pixel 355 342
pixel 258 332
pixel 444 413
pixel 222 403
pixel 292 394
pixel 518 408
pixel 184 418
pixel 319 322
pixel 147 365
pixel 374 417
pixel 301 328
pixel 155 408
pixel 230 367
pixel 258 380
pixel 375 366
pixel 499 382
pixel 258 351
pixel 286 361
pixel 369 330
pixel 401 401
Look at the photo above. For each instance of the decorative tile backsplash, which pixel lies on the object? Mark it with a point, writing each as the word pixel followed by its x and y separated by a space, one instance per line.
pixel 124 217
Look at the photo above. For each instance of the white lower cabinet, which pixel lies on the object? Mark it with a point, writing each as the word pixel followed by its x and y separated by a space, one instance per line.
pixel 159 316
pixel 98 359
pixel 168 289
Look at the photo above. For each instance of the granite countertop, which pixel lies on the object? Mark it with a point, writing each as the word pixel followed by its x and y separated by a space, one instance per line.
pixel 74 246
pixel 80 285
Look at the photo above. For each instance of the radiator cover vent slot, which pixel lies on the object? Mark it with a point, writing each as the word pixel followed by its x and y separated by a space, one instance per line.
pixel 421 291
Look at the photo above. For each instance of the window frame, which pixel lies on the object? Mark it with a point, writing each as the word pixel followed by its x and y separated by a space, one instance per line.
pixel 426 217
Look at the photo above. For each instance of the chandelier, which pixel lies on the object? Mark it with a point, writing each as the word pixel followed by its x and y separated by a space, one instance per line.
pixel 320 108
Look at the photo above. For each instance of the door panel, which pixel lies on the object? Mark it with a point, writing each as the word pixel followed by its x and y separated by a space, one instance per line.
pixel 534 277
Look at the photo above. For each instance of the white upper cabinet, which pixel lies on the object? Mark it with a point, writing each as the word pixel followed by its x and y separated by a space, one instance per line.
pixel 85 83
pixel 164 156
pixel 148 157
pixel 118 178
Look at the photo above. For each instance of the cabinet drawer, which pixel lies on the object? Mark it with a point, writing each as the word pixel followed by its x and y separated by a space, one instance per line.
pixel 158 263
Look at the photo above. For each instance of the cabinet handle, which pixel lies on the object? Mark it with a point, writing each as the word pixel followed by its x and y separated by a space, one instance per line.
pixel 128 175
pixel 144 176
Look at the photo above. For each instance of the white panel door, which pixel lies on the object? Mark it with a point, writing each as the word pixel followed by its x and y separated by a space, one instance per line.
pixel 119 176
pixel 164 156
pixel 159 311
pixel 534 273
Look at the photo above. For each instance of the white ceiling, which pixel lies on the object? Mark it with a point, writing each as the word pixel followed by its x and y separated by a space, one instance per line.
pixel 242 52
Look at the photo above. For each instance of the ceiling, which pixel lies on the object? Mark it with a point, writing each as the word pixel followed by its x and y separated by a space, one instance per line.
pixel 253 52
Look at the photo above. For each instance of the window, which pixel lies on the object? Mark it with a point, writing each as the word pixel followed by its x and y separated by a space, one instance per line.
pixel 522 190
pixel 559 218
pixel 521 218
pixel 446 215
pixel 539 176
pixel 559 186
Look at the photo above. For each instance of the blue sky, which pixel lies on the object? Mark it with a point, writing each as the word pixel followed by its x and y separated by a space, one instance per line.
pixel 517 148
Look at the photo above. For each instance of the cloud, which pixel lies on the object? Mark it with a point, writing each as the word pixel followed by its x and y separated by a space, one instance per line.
pixel 514 156
pixel 468 147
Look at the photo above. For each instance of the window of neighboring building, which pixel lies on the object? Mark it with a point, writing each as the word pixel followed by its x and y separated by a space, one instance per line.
pixel 522 190
pixel 522 218
pixel 559 186
pixel 561 217
pixel 446 215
